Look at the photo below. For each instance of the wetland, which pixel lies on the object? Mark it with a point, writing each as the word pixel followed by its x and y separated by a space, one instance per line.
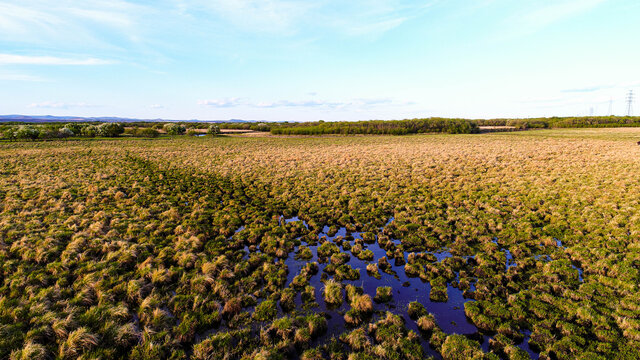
pixel 451 246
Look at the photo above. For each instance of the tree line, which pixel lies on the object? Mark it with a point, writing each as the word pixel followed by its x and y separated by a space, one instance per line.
pixel 30 131
pixel 565 122
pixel 379 127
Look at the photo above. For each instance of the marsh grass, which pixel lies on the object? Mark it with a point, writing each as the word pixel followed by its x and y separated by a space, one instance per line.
pixel 333 293
pixel 134 249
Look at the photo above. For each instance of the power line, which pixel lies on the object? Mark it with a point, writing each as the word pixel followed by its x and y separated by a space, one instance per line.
pixel 630 103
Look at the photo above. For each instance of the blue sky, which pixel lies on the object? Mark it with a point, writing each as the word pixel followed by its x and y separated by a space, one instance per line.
pixel 326 59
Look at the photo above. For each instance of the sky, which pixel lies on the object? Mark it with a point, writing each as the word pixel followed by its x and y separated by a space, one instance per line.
pixel 291 60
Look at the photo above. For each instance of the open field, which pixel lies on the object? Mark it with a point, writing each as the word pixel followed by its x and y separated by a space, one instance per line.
pixel 486 246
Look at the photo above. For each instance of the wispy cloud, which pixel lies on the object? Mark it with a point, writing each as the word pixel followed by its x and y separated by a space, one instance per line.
pixel 376 27
pixel 537 16
pixel 598 87
pixel 157 106
pixel 60 105
pixel 289 17
pixel 10 59
pixel 302 103
pixel 271 16
pixel 373 18
pixel 223 103
pixel 20 77
pixel 559 10
pixel 241 102
pixel 586 90
pixel 64 25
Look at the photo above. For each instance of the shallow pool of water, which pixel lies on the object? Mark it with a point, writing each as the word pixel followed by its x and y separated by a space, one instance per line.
pixel 449 315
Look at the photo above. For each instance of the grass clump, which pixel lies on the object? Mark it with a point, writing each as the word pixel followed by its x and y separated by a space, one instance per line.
pixel 304 253
pixel 362 304
pixel 333 293
pixel 394 339
pixel 265 311
pixel 317 325
pixel 383 294
pixel 416 310
pixel 427 323
pixel 308 294
pixel 346 272
pixel 327 249
pixel 459 347
pixel 287 299
pixel 357 339
pixel 312 354
pixel 78 342
pixel 30 351
pixel 439 290
pixel 361 307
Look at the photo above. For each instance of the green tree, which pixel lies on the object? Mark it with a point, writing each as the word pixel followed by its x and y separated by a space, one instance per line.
pixel 213 130
pixel 89 130
pixel 174 129
pixel 110 129
pixel 27 132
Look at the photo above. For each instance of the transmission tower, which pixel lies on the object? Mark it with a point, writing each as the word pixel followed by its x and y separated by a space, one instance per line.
pixel 630 103
pixel 610 107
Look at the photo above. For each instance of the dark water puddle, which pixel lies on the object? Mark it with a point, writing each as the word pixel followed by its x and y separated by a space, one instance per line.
pixel 580 278
pixel 509 258
pixel 485 343
pixel 449 315
pixel 543 257
pixel 342 232
pixel 293 219
pixel 579 269
pixel 525 345
pixel 484 339
pixel 389 221
pixel 509 263
pixel 442 255
pixel 136 323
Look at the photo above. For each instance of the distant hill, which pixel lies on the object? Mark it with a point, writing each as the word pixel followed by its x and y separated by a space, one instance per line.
pixel 50 118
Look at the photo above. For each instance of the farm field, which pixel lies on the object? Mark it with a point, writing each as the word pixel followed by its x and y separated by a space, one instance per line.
pixel 486 246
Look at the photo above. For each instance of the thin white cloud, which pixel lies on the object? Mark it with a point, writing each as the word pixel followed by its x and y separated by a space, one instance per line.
pixel 60 105
pixel 240 102
pixel 10 59
pixel 373 18
pixel 110 18
pixel 537 16
pixel 20 77
pixel 223 103
pixel 591 88
pixel 289 17
pixel 157 106
pixel 304 103
pixel 66 24
pixel 376 27
pixel 23 20
pixel 586 89
pixel 270 16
